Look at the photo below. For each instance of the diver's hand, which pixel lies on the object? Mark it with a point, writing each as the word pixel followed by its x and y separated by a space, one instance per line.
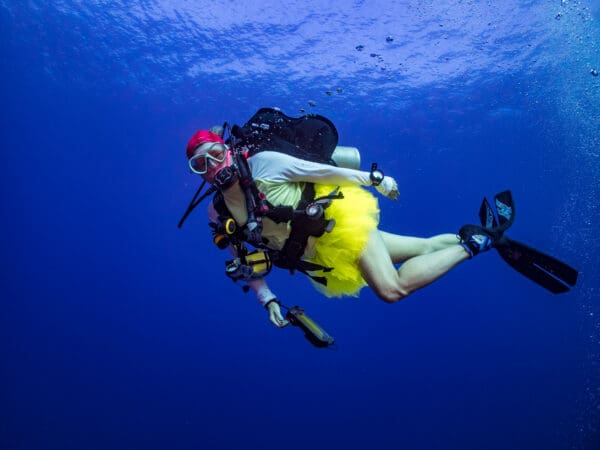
pixel 275 314
pixel 388 187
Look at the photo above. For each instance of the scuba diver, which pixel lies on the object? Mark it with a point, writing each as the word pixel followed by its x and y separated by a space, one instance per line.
pixel 285 188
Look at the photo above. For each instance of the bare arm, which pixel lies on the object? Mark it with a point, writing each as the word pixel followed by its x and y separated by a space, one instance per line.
pixel 259 286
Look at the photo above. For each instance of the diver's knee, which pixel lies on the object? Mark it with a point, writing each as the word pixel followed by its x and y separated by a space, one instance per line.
pixel 392 294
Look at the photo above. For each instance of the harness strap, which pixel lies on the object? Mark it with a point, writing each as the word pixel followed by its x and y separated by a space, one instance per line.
pixel 303 226
pixel 294 246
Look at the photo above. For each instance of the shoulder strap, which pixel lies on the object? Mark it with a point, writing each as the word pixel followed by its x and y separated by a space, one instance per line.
pixel 219 204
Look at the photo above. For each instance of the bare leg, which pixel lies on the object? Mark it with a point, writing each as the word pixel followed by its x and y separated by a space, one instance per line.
pixel 402 248
pixel 419 269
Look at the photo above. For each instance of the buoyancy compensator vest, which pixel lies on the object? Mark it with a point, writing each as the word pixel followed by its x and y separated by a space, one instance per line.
pixel 311 137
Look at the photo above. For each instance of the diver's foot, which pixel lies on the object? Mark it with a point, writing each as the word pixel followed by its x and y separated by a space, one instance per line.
pixel 476 239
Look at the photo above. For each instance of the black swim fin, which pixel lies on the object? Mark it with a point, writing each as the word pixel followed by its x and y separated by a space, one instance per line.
pixel 545 270
pixel 505 210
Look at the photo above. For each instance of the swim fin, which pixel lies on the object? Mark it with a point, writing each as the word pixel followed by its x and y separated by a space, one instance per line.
pixel 545 270
pixel 505 209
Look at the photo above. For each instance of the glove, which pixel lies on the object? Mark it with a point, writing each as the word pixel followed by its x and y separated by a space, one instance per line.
pixel 388 187
pixel 275 313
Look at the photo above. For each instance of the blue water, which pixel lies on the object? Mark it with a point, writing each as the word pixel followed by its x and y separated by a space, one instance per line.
pixel 119 331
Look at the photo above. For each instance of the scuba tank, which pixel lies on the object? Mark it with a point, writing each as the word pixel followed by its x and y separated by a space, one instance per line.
pixel 348 157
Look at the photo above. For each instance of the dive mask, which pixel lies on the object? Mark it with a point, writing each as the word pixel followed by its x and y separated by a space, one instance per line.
pixel 212 156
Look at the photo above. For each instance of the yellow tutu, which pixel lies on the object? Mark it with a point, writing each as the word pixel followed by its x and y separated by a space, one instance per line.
pixel 356 216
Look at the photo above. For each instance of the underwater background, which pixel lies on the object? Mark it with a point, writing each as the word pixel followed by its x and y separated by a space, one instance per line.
pixel 120 331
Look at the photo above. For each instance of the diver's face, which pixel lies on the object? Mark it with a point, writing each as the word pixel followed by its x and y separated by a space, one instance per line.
pixel 208 159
